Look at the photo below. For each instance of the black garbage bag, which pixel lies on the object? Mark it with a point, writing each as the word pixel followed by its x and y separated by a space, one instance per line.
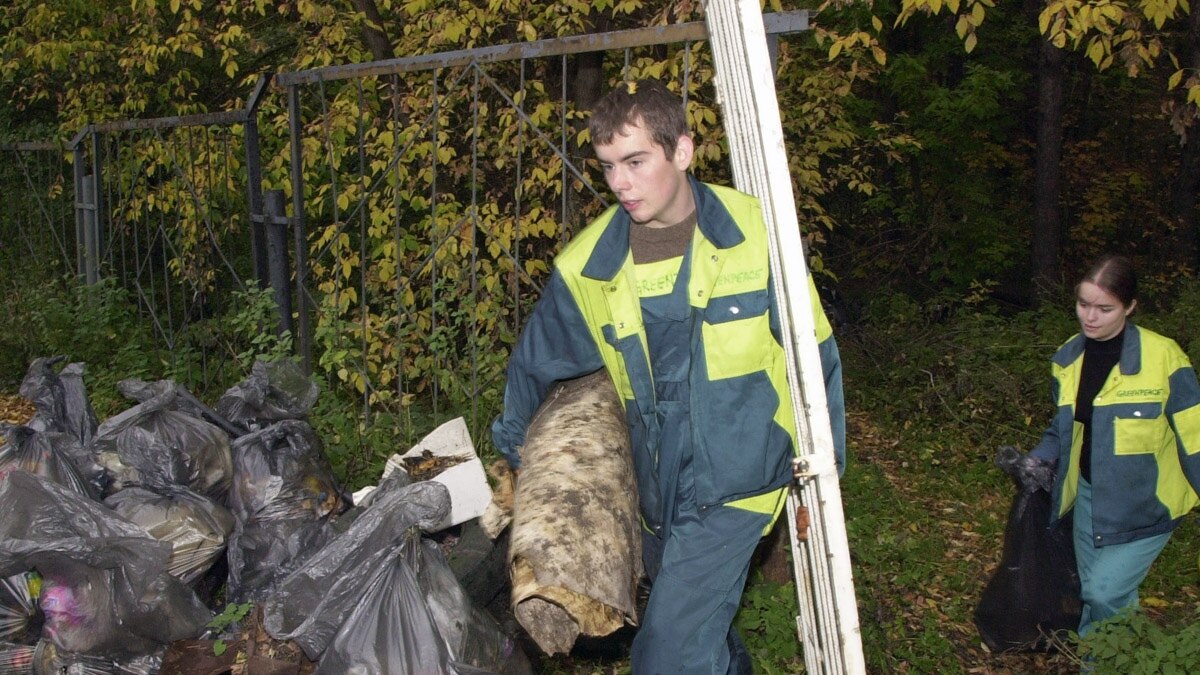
pixel 80 419
pixel 105 590
pixel 53 455
pixel 43 658
pixel 196 527
pixel 1035 591
pixel 311 604
pixel 156 444
pixel 473 636
pixel 413 618
pixel 283 498
pixel 44 389
pixel 382 599
pixel 181 400
pixel 389 630
pixel 60 399
pixel 274 391
pixel 20 616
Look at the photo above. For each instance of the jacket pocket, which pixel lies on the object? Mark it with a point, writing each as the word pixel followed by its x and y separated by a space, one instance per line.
pixel 1141 430
pixel 1187 422
pixel 737 335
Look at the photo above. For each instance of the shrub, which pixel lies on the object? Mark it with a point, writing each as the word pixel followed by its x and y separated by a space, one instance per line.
pixel 97 325
pixel 1133 644
pixel 963 364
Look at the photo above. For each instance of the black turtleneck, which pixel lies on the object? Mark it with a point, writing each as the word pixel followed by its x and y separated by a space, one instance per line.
pixel 1099 357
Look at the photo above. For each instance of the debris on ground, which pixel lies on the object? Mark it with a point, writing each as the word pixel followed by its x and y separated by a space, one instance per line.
pixel 185 539
pixel 15 410
pixel 427 465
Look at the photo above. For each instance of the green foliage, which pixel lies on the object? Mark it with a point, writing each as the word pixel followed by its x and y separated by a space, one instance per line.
pixel 357 448
pixel 230 616
pixel 255 320
pixel 840 148
pixel 767 623
pixel 961 362
pixel 210 354
pixel 97 325
pixel 129 58
pixel 101 326
pixel 359 442
pixel 974 366
pixel 1131 643
pixel 948 211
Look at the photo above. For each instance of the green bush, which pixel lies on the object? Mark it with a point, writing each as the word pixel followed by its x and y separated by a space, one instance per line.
pixel 97 325
pixel 767 623
pixel 1133 644
pixel 101 326
pixel 960 364
pixel 966 365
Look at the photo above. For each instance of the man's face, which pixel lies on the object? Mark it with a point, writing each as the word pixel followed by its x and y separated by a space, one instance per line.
pixel 652 187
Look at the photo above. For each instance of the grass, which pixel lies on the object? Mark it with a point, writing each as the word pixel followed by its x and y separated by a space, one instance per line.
pixel 926 530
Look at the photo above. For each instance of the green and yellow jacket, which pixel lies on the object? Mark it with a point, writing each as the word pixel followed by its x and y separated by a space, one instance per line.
pixel 589 317
pixel 1145 438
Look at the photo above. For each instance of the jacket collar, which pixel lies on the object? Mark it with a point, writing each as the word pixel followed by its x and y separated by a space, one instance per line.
pixel 612 248
pixel 1131 350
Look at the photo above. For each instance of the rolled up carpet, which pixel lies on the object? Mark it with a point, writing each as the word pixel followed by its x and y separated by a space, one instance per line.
pixel 575 552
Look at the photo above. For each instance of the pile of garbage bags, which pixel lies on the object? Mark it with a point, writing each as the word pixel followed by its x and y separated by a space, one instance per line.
pixel 119 536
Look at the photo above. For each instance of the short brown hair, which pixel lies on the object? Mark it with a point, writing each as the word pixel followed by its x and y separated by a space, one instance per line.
pixel 1115 274
pixel 647 102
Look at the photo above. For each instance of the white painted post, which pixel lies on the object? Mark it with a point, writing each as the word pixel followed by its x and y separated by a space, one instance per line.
pixel 828 622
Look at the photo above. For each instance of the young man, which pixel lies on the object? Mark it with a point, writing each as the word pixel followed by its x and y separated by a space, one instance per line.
pixel 670 290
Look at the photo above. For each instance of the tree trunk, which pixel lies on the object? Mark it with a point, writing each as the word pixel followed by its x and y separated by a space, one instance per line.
pixel 1047 228
pixel 1183 198
pixel 373 34
pixel 586 85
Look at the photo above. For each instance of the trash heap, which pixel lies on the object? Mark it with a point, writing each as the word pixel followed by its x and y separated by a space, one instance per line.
pixel 122 539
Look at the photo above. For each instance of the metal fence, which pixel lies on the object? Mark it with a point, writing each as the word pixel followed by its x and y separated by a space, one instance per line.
pixel 37 215
pixel 170 209
pixel 418 242
pixel 422 243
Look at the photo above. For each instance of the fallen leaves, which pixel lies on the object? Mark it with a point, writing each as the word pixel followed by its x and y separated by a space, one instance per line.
pixel 14 410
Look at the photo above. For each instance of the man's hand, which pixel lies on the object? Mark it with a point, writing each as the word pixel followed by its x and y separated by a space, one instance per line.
pixel 498 514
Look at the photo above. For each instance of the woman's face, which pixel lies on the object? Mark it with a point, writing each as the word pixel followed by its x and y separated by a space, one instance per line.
pixel 1101 314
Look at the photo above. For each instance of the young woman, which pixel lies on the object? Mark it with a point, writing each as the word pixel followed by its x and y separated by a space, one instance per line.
pixel 1125 440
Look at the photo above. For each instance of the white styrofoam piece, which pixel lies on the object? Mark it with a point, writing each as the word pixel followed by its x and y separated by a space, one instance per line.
pixel 362 493
pixel 467 482
pixel 470 493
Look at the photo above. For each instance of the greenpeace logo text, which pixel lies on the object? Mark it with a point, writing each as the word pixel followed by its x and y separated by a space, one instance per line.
pixel 1127 393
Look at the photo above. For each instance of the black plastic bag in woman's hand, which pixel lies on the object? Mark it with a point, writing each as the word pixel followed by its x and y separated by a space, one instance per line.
pixel 1035 591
